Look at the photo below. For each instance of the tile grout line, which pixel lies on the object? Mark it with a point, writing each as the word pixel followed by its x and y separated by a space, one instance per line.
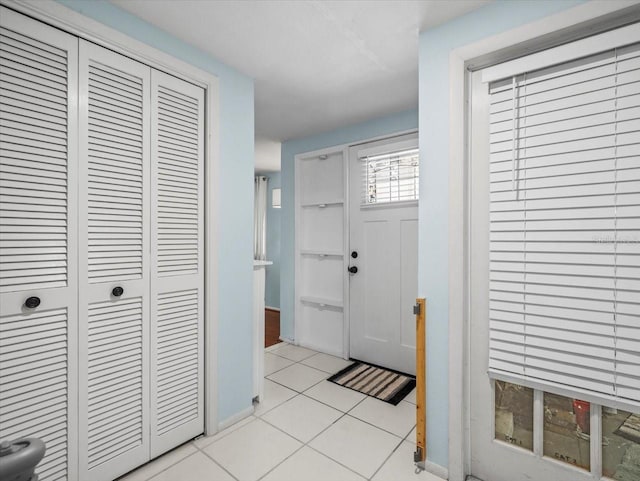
pixel 315 353
pixel 303 365
pixel 401 439
pixel 303 444
pixel 307 444
pixel 149 478
pixel 298 449
pixel 317 400
pixel 393 451
pixel 291 389
pixel 347 413
pixel 222 436
pixel 387 459
pixel 326 404
pixel 378 427
pixel 278 370
pixel 217 463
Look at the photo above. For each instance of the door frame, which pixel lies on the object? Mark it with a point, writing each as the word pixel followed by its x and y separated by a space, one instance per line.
pixel 578 22
pixel 70 21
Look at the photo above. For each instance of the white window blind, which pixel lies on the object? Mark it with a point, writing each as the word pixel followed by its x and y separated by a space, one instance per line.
pixel 391 177
pixel 565 228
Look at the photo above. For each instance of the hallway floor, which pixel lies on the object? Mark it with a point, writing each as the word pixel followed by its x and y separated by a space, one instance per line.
pixel 271 327
pixel 306 429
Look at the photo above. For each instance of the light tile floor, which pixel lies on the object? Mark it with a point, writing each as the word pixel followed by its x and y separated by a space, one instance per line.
pixel 305 429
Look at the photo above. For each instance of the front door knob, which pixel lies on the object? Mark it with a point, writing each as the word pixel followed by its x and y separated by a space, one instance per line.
pixel 353 269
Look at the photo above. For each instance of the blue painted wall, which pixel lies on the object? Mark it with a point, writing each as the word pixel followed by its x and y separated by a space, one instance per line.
pixel 435 47
pixel 233 191
pixel 366 130
pixel 272 289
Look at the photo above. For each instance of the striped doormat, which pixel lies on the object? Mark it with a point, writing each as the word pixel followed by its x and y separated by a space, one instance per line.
pixel 383 384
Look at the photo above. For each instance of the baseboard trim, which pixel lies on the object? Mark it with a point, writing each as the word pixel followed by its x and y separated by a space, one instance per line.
pixel 286 339
pixel 245 413
pixel 275 309
pixel 434 468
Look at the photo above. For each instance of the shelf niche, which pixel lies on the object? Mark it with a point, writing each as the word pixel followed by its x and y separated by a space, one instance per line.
pixel 320 248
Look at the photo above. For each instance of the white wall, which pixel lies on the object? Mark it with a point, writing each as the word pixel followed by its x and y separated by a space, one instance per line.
pixel 267 154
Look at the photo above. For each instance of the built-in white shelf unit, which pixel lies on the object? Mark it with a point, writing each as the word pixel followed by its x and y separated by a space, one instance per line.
pixel 320 251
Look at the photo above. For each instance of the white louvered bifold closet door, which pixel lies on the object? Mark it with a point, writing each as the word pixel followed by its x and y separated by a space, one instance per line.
pixel 177 276
pixel 38 158
pixel 565 228
pixel 114 244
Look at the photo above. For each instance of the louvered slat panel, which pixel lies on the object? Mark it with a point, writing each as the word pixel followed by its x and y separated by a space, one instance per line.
pixel 177 136
pixel 38 215
pixel 115 182
pixel 29 189
pixel 114 210
pixel 178 251
pixel 177 328
pixel 33 394
pixel 108 373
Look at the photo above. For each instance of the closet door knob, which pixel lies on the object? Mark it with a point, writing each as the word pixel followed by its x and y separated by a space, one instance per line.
pixel 117 291
pixel 32 302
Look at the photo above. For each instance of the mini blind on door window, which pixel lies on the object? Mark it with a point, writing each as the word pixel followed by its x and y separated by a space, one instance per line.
pixel 391 177
pixel 565 227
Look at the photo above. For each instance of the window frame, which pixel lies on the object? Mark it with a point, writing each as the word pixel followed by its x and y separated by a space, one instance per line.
pixel 381 151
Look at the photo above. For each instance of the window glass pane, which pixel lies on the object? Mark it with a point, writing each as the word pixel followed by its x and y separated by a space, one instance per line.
pixel 620 444
pixel 390 177
pixel 514 414
pixel 566 430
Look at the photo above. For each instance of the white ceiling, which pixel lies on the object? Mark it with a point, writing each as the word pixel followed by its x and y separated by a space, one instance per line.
pixel 317 65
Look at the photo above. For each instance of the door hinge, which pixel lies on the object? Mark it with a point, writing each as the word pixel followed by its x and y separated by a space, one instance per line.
pixel 416 310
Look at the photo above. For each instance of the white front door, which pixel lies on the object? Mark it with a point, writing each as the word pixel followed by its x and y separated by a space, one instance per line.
pixel 383 248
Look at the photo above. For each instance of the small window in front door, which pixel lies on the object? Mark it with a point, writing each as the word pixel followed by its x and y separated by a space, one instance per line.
pixel 392 177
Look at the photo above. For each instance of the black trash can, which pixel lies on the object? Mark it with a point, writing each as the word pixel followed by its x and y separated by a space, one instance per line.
pixel 19 458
